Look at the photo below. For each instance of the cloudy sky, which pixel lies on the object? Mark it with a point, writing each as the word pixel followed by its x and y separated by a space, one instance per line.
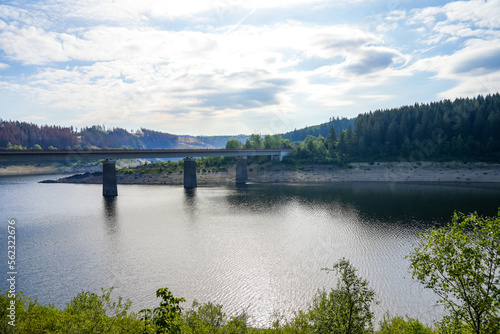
pixel 238 66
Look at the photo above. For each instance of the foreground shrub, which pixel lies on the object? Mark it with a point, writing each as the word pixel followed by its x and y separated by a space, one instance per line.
pixel 347 308
pixel 88 313
pixel 399 325
pixel 461 264
pixel 166 318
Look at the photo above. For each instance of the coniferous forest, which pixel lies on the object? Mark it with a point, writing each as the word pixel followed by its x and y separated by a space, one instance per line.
pixel 445 129
pixel 323 129
pixel 466 129
pixel 26 135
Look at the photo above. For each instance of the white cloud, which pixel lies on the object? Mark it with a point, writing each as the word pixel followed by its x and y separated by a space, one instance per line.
pixel 483 14
pixel 154 61
pixel 396 15
pixel 472 63
pixel 475 68
pixel 23 17
pixel 459 19
pixel 146 69
pixel 32 46
pixel 427 16
pixel 132 12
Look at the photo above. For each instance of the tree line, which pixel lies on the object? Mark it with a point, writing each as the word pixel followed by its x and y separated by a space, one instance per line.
pixel 19 135
pixel 256 141
pixel 323 129
pixel 15 135
pixel 462 128
pixel 466 129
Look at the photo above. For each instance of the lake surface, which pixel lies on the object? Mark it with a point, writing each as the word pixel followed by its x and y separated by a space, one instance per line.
pixel 258 247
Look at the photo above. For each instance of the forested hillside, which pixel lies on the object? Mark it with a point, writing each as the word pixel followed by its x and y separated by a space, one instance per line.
pixel 22 135
pixel 28 135
pixel 465 129
pixel 319 130
pixel 116 138
pixel 220 141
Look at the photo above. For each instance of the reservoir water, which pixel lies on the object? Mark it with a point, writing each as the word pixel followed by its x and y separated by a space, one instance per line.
pixel 257 247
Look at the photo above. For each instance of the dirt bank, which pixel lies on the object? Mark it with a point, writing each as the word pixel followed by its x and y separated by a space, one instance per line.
pixel 281 173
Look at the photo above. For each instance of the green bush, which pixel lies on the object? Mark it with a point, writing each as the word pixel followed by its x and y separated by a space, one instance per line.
pixel 204 318
pixel 165 318
pixel 87 313
pixel 347 308
pixel 398 325
pixel 461 264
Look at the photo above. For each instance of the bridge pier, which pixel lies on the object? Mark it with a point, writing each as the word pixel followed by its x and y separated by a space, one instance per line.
pixel 109 187
pixel 190 173
pixel 241 169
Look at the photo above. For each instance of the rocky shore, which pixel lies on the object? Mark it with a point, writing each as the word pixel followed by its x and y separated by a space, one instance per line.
pixel 40 170
pixel 282 173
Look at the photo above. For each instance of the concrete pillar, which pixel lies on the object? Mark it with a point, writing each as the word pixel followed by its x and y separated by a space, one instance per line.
pixel 190 173
pixel 109 187
pixel 241 170
pixel 283 154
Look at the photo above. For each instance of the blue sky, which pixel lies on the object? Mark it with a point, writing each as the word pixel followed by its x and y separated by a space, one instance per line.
pixel 206 67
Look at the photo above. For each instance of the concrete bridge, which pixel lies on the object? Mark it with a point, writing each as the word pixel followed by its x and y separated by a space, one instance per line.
pixel 109 187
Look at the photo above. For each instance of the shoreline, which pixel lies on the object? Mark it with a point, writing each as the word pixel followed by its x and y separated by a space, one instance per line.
pixel 44 170
pixel 417 172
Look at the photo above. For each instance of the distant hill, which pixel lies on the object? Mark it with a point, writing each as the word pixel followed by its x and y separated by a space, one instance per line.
pixel 144 138
pixel 219 141
pixel 322 129
pixel 17 135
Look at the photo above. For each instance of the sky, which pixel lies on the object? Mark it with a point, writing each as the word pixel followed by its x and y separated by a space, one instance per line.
pixel 209 67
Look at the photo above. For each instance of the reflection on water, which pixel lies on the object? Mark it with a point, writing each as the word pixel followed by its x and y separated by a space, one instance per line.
pixel 424 203
pixel 189 196
pixel 110 214
pixel 253 247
